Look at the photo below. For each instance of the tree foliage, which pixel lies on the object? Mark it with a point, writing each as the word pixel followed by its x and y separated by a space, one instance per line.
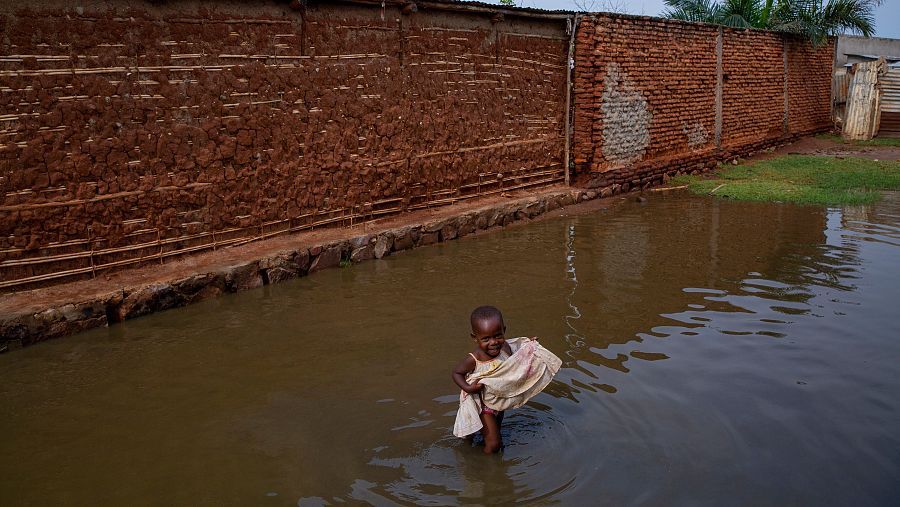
pixel 813 19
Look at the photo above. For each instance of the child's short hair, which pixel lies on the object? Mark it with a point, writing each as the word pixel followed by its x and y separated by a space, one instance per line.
pixel 486 313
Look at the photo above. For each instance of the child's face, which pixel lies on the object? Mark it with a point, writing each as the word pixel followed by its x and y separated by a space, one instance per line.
pixel 488 335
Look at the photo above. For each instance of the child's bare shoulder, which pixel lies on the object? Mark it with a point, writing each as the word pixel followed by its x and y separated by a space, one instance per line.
pixel 467 364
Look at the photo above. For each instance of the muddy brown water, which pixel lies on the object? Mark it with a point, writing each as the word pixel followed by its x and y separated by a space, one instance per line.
pixel 714 353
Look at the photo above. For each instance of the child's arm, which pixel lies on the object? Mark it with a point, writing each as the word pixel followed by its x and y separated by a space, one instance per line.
pixel 462 369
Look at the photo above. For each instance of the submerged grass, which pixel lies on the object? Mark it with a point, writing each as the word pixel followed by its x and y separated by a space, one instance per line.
pixel 800 179
pixel 877 141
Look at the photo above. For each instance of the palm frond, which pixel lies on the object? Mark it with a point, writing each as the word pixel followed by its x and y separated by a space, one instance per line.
pixel 856 16
pixel 735 21
pixel 705 11
pixel 741 13
pixel 812 19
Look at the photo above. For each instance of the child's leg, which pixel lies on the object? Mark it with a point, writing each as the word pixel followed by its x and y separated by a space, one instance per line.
pixel 491 432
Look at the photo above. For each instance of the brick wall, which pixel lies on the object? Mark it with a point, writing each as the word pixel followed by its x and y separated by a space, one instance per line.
pixel 809 85
pixel 752 87
pixel 644 88
pixel 147 130
pixel 658 97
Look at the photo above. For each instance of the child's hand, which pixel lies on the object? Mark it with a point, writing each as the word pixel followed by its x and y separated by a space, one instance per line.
pixel 474 388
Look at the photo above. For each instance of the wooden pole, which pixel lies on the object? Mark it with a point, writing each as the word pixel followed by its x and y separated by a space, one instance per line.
pixel 570 61
pixel 91 235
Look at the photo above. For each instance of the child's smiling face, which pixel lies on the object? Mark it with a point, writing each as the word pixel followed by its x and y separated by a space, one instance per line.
pixel 488 334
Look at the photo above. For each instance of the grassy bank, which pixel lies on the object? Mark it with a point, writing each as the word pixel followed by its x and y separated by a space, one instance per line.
pixel 800 179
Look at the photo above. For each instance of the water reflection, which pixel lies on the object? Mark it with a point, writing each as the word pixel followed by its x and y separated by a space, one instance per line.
pixel 714 352
pixel 572 339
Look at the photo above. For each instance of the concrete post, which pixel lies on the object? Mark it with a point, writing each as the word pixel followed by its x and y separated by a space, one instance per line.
pixel 719 82
pixel 787 105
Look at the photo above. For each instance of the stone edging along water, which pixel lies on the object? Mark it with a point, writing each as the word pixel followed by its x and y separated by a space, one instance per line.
pixel 25 327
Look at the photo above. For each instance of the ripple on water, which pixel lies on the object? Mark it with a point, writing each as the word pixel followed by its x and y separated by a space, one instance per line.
pixel 451 470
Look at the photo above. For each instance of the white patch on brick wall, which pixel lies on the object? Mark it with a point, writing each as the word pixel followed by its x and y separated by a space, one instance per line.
pixel 626 119
pixel 697 136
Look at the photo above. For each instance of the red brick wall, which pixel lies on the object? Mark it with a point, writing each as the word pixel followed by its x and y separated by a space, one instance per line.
pixel 752 87
pixel 645 89
pixel 583 96
pixel 183 124
pixel 809 85
pixel 656 82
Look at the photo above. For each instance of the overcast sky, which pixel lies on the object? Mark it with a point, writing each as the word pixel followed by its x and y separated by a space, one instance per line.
pixel 887 17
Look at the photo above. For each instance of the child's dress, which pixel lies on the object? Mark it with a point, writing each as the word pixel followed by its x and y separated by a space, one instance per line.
pixel 509 382
pixel 484 368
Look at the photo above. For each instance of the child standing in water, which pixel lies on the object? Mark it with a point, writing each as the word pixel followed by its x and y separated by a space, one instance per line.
pixel 497 375
pixel 491 350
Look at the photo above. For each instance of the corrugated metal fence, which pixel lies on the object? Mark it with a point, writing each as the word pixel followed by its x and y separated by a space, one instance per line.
pixel 863 101
pixel 840 84
pixel 890 104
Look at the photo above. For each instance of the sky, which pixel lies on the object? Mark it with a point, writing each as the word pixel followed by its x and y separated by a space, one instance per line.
pixel 887 16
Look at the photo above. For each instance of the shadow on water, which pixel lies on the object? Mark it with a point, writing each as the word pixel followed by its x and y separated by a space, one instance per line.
pixel 712 352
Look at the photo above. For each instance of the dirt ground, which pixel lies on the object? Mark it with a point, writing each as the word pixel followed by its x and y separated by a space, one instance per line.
pixel 830 147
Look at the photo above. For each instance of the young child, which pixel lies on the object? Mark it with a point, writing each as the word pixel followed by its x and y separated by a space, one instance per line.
pixel 497 375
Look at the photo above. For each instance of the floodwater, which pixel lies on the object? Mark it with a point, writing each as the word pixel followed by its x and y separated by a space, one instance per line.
pixel 713 353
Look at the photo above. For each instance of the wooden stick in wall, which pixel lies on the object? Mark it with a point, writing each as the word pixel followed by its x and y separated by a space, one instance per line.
pixel 91 238
pixel 569 64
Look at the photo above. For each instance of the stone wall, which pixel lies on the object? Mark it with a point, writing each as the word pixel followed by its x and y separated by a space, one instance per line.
pixel 656 97
pixel 135 131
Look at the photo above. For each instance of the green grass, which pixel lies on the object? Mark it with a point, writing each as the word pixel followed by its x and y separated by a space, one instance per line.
pixel 878 141
pixel 800 179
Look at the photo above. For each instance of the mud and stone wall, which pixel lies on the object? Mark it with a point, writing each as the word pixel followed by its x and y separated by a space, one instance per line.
pixel 656 97
pixel 134 131
pixel 137 131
